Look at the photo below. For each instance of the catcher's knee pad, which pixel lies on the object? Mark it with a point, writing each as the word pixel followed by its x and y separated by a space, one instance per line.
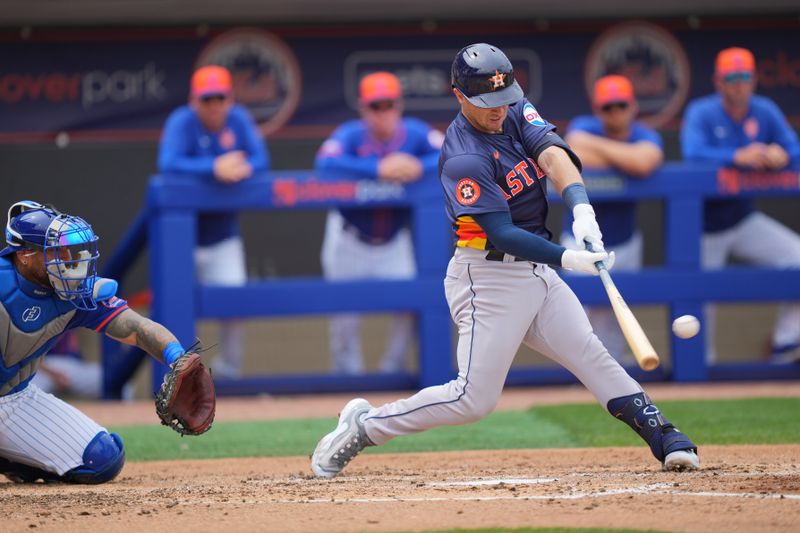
pixel 644 418
pixel 102 460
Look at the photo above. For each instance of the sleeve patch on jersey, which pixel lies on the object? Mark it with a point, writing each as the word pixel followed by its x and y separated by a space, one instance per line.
pixel 331 148
pixel 532 116
pixel 467 192
pixel 112 302
pixel 436 139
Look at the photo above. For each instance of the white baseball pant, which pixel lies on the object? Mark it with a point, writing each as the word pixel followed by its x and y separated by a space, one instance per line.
pixel 496 307
pixel 223 263
pixel 345 258
pixel 38 429
pixel 763 241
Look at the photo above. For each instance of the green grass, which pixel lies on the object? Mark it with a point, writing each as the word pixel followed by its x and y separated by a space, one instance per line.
pixel 747 421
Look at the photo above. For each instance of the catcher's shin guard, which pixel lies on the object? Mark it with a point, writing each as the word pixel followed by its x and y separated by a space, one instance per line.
pixel 668 444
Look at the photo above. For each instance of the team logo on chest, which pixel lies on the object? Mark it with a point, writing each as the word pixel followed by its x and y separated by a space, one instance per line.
pixel 751 127
pixel 31 314
pixel 227 139
pixel 467 192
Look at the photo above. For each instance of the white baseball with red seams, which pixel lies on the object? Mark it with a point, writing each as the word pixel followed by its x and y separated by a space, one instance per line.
pixel 686 326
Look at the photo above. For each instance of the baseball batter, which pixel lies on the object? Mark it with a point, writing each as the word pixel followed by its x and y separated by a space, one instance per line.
pixel 499 285
pixel 48 286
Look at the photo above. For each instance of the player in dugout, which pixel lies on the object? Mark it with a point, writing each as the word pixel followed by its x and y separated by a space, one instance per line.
pixel 213 138
pixel 374 243
pixel 739 129
pixel 612 138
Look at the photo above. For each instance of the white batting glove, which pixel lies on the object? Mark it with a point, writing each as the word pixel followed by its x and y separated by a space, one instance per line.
pixel 584 261
pixel 585 227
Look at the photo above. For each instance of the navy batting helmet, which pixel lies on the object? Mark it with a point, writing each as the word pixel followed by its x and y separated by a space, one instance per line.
pixel 484 75
pixel 68 244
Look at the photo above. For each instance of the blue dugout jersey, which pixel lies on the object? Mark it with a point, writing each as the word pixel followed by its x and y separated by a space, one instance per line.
pixel 709 134
pixel 32 319
pixel 617 220
pixel 351 152
pixel 187 148
pixel 485 173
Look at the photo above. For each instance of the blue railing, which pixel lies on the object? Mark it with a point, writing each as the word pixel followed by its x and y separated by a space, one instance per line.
pixel 178 301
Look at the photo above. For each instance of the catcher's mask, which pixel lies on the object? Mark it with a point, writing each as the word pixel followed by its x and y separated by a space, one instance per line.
pixel 484 75
pixel 68 246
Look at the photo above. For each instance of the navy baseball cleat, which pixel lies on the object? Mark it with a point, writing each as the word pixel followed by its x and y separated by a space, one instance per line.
pixel 341 445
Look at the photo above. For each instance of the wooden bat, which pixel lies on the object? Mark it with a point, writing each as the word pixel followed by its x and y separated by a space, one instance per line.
pixel 640 345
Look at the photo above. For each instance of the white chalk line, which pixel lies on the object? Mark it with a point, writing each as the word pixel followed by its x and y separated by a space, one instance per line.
pixel 491 482
pixel 658 489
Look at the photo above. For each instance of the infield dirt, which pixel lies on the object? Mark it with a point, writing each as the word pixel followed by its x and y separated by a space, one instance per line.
pixel 740 488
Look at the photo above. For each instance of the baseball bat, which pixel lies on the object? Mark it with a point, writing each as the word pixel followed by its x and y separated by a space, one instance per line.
pixel 640 345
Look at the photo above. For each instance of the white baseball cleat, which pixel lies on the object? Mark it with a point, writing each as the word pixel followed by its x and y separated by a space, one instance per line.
pixel 341 445
pixel 681 460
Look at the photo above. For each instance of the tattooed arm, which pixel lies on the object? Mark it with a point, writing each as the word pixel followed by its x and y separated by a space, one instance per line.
pixel 132 328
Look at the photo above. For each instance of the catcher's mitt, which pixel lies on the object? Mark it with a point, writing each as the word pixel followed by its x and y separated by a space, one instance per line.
pixel 186 401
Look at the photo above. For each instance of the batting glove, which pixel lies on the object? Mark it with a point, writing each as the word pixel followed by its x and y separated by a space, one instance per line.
pixel 584 261
pixel 585 228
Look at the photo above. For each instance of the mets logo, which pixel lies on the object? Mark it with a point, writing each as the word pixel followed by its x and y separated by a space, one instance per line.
pixel 652 59
pixel 467 192
pixel 750 127
pixel 31 314
pixel 532 116
pixel 498 80
pixel 266 76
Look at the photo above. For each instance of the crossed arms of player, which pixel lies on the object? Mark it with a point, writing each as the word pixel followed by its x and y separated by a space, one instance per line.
pixel 637 159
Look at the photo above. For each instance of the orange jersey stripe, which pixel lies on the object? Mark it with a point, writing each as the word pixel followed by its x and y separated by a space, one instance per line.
pixel 110 317
pixel 469 233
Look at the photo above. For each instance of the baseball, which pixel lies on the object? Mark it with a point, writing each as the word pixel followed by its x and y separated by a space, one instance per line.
pixel 686 326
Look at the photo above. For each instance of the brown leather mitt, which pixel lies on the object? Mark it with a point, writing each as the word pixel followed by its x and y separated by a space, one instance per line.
pixel 186 401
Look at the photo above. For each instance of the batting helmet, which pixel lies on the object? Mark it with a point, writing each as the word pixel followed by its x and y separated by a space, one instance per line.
pixel 68 244
pixel 484 75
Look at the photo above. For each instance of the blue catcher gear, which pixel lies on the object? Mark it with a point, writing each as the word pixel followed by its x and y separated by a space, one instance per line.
pixel 484 75
pixel 103 459
pixel 68 244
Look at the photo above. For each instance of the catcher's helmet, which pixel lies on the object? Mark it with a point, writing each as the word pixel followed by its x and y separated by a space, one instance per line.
pixel 484 75
pixel 68 244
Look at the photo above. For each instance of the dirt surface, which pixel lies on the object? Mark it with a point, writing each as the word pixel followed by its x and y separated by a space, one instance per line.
pixel 740 488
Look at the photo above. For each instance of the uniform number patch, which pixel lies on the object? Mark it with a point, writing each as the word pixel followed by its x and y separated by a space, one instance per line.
pixel 467 192
pixel 532 116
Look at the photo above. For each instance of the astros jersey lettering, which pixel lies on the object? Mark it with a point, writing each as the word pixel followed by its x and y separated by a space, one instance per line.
pixel 483 173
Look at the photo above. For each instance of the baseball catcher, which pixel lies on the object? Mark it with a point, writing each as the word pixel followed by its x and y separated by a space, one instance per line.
pixel 48 286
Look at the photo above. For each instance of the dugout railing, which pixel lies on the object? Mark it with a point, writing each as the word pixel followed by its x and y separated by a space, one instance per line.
pixel 680 284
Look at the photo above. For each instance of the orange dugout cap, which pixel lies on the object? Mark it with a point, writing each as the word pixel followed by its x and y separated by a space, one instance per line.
pixel 735 61
pixel 613 89
pixel 379 86
pixel 211 80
